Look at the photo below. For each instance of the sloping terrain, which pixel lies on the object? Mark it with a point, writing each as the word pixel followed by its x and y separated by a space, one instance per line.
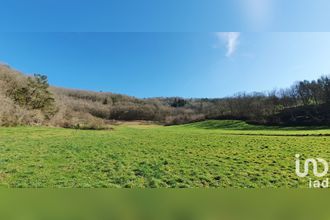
pixel 30 100
pixel 77 108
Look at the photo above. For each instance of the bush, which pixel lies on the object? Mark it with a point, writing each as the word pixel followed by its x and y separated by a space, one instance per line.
pixel 34 94
pixel 182 119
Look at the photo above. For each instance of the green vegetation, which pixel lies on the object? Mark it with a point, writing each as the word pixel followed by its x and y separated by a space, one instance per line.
pixel 101 150
pixel 34 95
pixel 204 154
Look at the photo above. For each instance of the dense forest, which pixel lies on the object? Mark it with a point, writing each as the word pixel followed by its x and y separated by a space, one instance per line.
pixel 30 100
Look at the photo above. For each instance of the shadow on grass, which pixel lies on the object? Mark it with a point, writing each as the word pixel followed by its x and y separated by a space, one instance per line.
pixel 241 125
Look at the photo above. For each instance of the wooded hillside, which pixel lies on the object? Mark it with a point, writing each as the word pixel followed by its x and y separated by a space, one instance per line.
pixel 29 100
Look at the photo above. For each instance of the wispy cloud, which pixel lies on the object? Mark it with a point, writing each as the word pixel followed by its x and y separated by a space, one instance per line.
pixel 231 40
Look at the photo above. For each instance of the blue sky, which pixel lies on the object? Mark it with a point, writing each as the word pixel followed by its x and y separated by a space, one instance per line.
pixel 164 15
pixel 148 48
pixel 201 64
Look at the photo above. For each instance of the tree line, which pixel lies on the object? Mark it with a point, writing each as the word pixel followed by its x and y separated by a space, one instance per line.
pixel 30 100
pixel 305 102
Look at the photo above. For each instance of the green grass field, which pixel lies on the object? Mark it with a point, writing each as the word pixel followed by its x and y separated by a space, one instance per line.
pixel 204 154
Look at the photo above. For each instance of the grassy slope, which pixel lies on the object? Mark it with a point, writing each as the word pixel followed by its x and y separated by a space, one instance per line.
pixel 205 154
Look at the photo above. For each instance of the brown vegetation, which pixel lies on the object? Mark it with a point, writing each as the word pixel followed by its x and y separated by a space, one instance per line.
pixel 28 100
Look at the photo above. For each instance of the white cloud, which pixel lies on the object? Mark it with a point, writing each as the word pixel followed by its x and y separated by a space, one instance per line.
pixel 231 39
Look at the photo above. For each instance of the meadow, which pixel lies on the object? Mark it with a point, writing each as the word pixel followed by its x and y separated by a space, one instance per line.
pixel 205 154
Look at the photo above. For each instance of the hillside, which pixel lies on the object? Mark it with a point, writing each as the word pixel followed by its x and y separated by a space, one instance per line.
pixel 29 100
pixel 78 108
